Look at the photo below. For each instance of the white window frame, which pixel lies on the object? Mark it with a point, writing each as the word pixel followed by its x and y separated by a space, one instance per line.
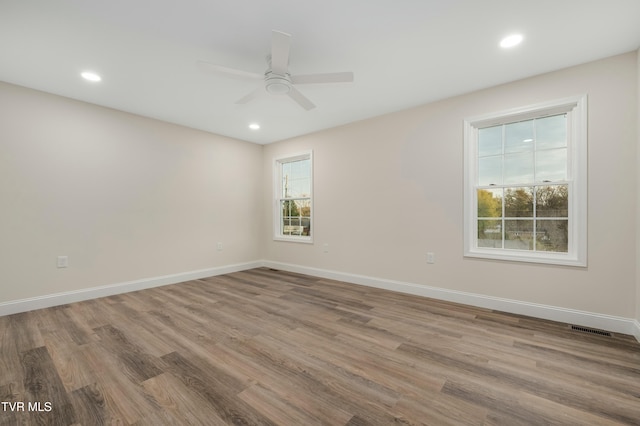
pixel 277 188
pixel 576 110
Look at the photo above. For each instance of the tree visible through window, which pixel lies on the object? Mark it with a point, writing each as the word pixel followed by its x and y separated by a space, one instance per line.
pixel 525 190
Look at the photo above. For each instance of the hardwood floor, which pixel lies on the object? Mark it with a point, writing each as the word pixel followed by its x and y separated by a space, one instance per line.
pixel 276 348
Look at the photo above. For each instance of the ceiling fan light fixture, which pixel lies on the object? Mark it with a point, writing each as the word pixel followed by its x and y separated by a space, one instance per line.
pixel 278 85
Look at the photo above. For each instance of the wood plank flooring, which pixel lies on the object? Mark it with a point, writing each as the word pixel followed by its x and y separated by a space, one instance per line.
pixel 268 347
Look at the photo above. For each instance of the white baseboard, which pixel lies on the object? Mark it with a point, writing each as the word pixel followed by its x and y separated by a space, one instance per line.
pixel 570 316
pixel 636 329
pixel 56 299
pixel 565 315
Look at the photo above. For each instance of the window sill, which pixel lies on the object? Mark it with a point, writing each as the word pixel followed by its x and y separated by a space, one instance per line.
pixel 517 256
pixel 293 239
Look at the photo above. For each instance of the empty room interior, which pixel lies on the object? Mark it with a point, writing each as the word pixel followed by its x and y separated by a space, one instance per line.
pixel 341 213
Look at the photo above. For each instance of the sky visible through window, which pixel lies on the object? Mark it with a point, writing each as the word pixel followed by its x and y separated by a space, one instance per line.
pixel 296 179
pixel 523 152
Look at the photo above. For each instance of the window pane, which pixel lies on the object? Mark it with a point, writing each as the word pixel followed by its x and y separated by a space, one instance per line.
pixel 518 168
pixel 296 217
pixel 551 165
pixel 552 235
pixel 489 203
pixel 490 233
pixel 298 188
pixel 552 201
pixel 518 234
pixel 518 137
pixel 289 209
pixel 490 141
pixel 490 171
pixel 518 202
pixel 286 169
pixel 296 179
pixel 551 132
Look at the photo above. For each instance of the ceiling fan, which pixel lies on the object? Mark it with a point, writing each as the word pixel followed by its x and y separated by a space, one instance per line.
pixel 277 79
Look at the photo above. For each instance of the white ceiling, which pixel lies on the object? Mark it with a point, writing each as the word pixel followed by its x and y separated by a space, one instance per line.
pixel 403 53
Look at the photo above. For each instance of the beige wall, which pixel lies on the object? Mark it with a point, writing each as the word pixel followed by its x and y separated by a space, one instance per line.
pixel 130 198
pixel 388 190
pixel 125 197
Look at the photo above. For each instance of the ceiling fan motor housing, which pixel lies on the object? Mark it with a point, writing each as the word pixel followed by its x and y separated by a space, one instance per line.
pixel 277 84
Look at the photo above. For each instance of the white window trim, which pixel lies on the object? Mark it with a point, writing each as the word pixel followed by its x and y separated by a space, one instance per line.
pixel 576 109
pixel 277 181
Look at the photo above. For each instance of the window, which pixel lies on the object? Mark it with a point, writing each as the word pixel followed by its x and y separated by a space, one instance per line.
pixel 525 184
pixel 293 187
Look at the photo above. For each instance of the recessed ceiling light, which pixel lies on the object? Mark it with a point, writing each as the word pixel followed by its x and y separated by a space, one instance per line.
pixel 90 76
pixel 511 41
pixel 254 126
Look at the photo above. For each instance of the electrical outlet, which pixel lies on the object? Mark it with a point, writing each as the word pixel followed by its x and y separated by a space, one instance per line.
pixel 63 261
pixel 325 248
pixel 431 257
pixel 219 246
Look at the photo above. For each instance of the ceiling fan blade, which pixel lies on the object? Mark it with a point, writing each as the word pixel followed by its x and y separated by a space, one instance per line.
pixel 219 69
pixel 248 98
pixel 332 77
pixel 301 99
pixel 280 45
